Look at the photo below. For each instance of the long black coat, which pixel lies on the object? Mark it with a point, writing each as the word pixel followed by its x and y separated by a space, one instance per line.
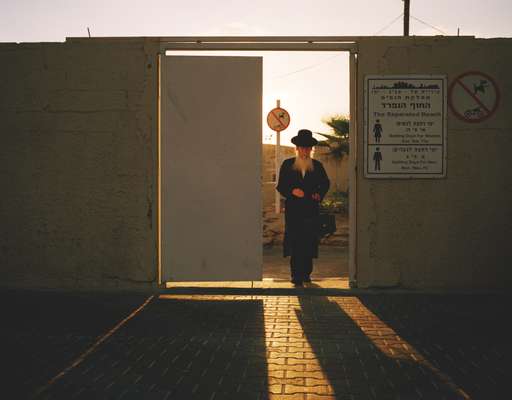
pixel 298 236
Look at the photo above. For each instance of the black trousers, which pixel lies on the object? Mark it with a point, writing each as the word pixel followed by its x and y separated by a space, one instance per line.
pixel 301 267
pixel 302 248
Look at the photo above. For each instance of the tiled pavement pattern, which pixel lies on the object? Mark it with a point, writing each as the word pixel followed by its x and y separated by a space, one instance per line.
pixel 42 332
pixel 389 346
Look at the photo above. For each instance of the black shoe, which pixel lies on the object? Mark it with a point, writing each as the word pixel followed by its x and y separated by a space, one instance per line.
pixel 297 283
pixel 307 280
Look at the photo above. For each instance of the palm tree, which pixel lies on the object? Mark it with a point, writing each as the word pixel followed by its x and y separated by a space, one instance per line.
pixel 337 140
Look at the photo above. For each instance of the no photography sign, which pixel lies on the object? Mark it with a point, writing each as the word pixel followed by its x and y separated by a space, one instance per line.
pixel 473 96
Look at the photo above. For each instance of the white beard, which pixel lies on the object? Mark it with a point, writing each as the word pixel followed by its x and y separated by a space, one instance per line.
pixel 303 165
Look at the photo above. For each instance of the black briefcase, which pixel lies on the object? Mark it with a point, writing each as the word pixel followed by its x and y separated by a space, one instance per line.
pixel 326 225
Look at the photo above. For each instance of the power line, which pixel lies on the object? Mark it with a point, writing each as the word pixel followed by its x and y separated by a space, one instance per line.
pixel 388 25
pixel 413 17
pixel 375 34
pixel 427 24
pixel 306 68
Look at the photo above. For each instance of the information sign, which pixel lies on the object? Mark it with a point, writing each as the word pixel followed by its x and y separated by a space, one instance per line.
pixel 405 126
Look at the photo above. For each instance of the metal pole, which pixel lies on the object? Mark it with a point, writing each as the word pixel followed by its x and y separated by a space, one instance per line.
pixel 278 164
pixel 352 188
pixel 406 16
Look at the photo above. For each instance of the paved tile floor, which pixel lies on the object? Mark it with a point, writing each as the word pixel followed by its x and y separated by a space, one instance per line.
pixel 369 346
pixel 332 262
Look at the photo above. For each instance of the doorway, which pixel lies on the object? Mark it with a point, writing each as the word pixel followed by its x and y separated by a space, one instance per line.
pixel 313 87
pixel 343 263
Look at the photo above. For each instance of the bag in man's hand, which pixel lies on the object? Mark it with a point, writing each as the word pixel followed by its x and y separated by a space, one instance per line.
pixel 326 225
pixel 322 225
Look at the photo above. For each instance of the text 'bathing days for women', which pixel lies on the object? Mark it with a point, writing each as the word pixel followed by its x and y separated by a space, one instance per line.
pixel 405 126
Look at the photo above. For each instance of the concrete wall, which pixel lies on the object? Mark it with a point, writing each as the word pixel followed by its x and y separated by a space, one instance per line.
pixel 268 185
pixel 268 159
pixel 440 233
pixel 76 167
pixel 78 156
pixel 337 170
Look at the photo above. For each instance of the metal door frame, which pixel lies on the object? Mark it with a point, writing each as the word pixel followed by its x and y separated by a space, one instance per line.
pixel 271 43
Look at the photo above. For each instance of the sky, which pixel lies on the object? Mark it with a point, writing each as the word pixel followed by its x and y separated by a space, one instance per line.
pixel 311 86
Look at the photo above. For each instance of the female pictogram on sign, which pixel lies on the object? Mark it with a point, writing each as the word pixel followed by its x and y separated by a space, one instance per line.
pixel 473 96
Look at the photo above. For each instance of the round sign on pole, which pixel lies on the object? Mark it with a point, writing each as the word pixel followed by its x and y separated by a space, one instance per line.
pixel 473 96
pixel 278 119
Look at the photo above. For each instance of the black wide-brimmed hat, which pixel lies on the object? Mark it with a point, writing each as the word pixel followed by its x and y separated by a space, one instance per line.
pixel 304 138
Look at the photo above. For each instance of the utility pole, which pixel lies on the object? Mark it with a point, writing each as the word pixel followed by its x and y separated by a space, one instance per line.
pixel 278 162
pixel 407 4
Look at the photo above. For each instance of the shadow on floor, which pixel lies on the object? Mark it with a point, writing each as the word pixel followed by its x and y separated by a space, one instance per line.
pixel 466 336
pixel 177 348
pixel 44 331
pixel 361 356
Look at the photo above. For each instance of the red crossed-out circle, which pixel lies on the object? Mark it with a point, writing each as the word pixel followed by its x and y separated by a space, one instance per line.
pixel 278 119
pixel 487 111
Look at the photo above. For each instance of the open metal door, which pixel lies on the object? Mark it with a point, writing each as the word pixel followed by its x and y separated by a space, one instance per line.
pixel 211 168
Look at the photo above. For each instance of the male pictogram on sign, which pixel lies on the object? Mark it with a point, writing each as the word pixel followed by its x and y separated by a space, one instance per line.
pixel 377 131
pixel 377 157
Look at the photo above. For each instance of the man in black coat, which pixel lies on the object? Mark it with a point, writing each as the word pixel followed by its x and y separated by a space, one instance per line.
pixel 303 183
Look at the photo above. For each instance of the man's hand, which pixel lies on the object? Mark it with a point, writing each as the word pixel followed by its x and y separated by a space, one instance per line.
pixel 298 193
pixel 315 196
